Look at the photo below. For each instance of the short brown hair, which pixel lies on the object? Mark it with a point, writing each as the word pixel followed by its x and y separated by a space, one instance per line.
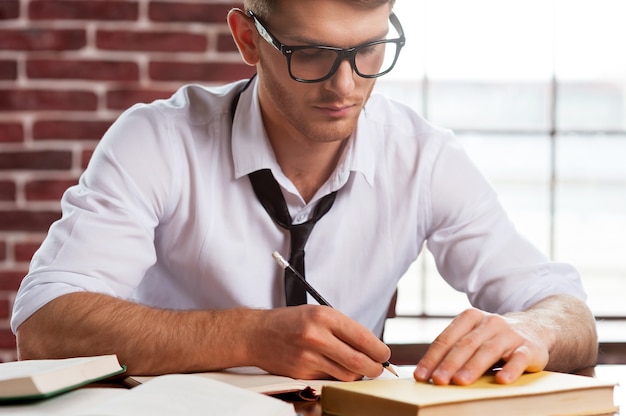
pixel 264 8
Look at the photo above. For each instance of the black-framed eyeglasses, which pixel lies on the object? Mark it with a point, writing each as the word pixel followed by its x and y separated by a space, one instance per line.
pixel 317 63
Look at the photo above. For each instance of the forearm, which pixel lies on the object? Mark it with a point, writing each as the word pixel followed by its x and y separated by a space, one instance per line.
pixel 306 341
pixel 147 340
pixel 568 328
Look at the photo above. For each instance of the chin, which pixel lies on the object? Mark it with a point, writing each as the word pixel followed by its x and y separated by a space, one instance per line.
pixel 330 134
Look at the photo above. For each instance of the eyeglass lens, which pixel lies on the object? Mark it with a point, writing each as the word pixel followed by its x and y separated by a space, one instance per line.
pixel 370 60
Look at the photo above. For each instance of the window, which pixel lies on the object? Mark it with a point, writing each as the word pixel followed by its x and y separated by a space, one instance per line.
pixel 536 91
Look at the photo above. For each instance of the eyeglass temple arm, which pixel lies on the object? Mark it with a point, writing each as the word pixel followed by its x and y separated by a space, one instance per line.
pixel 396 24
pixel 265 34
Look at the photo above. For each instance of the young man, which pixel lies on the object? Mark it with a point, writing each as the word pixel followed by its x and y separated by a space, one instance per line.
pixel 163 254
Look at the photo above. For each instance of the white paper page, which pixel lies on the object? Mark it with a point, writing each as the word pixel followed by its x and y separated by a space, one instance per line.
pixel 27 368
pixel 72 403
pixel 190 396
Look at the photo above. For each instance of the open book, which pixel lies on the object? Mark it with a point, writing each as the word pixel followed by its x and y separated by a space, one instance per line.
pixel 163 396
pixel 34 379
pixel 537 394
pixel 259 381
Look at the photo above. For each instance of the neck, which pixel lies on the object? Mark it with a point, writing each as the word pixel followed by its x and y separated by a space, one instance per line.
pixel 307 164
pixel 307 150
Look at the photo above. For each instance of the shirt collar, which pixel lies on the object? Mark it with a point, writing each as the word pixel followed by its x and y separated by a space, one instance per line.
pixel 251 147
pixel 361 154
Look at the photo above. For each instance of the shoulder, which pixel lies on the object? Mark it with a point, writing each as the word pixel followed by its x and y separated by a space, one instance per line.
pixel 181 118
pixel 196 104
pixel 398 118
pixel 398 127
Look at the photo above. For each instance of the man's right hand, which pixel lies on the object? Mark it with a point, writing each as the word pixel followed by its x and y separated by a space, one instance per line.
pixel 316 342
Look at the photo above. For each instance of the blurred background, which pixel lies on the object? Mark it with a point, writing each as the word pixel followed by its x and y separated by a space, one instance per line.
pixel 534 89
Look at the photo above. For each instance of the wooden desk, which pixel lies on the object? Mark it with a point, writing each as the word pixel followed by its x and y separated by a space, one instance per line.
pixel 616 373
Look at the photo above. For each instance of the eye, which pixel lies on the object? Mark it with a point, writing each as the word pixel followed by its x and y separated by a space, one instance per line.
pixel 313 53
pixel 371 49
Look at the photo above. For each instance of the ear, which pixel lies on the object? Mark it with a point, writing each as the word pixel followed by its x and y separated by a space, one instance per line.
pixel 245 35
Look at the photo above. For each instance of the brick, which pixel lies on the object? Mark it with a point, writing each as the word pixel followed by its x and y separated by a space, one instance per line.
pixel 7 339
pixel 42 39
pixel 24 251
pixel 177 11
pixel 70 129
pixel 47 190
pixel 81 69
pixel 11 279
pixel 11 132
pixel 225 43
pixel 151 41
pixel 4 308
pixel 36 160
pixel 3 253
pixel 16 220
pixel 7 191
pixel 83 10
pixel 9 9
pixel 23 100
pixel 124 98
pixel 85 157
pixel 8 69
pixel 180 71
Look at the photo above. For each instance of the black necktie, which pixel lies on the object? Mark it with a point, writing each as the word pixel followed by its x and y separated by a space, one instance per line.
pixel 269 194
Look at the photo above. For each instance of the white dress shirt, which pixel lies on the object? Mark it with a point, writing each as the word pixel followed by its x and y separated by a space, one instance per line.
pixel 165 215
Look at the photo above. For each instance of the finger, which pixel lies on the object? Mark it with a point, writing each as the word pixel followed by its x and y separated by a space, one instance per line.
pixel 358 349
pixel 524 358
pixel 475 352
pixel 311 365
pixel 362 339
pixel 322 367
pixel 482 360
pixel 339 360
pixel 339 371
pixel 444 343
pixel 515 366
pixel 502 342
pixel 355 355
pixel 490 341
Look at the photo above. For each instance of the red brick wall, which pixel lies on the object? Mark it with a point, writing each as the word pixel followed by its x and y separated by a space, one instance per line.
pixel 67 69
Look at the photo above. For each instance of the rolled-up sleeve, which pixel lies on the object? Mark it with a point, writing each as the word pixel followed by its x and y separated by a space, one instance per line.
pixel 104 241
pixel 476 247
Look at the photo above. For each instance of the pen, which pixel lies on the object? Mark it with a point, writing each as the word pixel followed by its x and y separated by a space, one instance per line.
pixel 319 298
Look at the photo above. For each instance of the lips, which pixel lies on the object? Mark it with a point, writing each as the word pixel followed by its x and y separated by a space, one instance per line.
pixel 335 110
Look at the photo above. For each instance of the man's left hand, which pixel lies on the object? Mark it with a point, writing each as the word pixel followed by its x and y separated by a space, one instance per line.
pixel 475 341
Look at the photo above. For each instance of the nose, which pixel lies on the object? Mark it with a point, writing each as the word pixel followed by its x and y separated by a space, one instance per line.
pixel 342 81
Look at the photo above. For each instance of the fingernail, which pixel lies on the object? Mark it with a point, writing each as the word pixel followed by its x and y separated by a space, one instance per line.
pixel 462 377
pixel 504 377
pixel 421 373
pixel 441 377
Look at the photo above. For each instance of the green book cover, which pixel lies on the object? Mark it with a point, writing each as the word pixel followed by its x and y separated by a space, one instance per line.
pixel 39 379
